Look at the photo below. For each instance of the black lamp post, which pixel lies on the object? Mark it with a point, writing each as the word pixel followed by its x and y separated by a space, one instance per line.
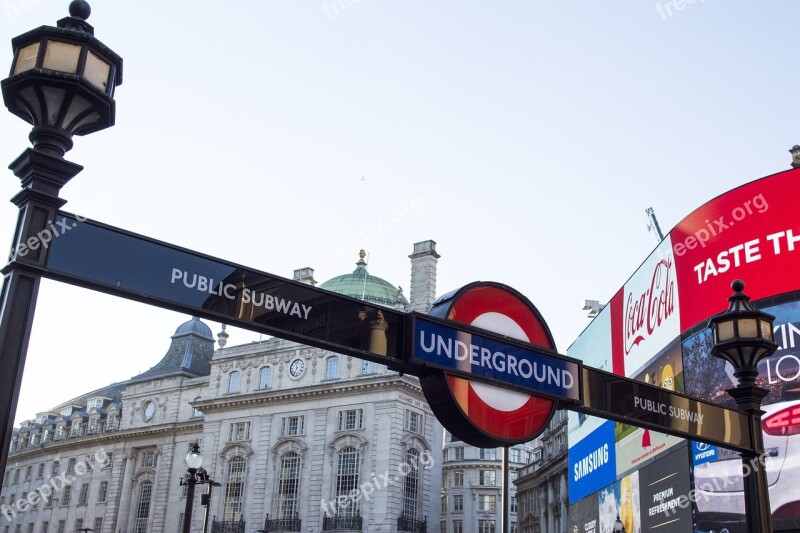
pixel 62 82
pixel 193 460
pixel 743 336
pixel 205 499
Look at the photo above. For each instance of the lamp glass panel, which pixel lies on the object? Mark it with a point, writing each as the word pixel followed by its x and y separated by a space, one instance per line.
pixel 96 71
pixel 766 330
pixel 26 57
pixel 748 328
pixel 194 460
pixel 62 57
pixel 724 330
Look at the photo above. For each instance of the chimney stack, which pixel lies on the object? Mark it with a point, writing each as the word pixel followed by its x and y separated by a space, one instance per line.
pixel 305 275
pixel 423 276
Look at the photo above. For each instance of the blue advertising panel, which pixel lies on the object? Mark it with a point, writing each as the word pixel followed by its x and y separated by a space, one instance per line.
pixel 703 453
pixel 474 355
pixel 592 463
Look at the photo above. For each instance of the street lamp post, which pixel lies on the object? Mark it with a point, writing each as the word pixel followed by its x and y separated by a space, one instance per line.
pixel 618 527
pixel 205 499
pixel 193 460
pixel 743 336
pixel 62 82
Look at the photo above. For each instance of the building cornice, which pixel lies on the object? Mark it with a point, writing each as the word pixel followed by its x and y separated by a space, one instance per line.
pixel 326 390
pixel 99 439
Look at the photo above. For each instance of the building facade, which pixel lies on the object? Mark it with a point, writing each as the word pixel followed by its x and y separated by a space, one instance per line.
pixel 472 486
pixel 299 439
pixel 542 484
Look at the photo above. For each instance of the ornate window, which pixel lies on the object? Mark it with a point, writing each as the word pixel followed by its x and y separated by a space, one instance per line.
pixel 486 526
pixel 411 484
pixel 332 368
pixel 148 459
pixel 487 502
pixel 459 453
pixel 458 502
pixel 292 425
pixel 488 477
pixel 351 419
pixel 83 497
pixel 239 431
pixel 413 421
pixel 347 480
pixel 233 382
pixel 289 488
pixel 143 507
pixel 102 492
pixel 264 377
pixel 234 489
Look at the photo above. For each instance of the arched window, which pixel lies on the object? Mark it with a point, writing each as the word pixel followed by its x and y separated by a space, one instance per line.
pixel 263 380
pixel 289 487
pixel 234 489
pixel 143 507
pixel 197 412
pixel 410 471
pixel 233 382
pixel 347 480
pixel 332 368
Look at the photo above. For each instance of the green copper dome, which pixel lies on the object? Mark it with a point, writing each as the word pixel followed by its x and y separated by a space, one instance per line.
pixel 364 286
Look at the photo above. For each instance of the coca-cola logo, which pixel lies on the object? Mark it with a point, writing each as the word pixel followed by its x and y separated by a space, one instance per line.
pixel 652 308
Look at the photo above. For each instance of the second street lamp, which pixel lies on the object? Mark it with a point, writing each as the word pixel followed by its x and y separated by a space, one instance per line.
pixel 743 336
pixel 194 460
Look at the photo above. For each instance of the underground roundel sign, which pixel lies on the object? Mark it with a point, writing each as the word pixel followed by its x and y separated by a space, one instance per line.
pixel 480 414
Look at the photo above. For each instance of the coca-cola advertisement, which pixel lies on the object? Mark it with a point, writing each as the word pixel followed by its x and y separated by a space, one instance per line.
pixel 646 312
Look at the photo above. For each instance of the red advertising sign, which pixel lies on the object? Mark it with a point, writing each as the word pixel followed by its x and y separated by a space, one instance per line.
pixel 750 233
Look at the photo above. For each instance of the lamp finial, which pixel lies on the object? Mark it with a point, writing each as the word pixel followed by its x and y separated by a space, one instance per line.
pixel 80 9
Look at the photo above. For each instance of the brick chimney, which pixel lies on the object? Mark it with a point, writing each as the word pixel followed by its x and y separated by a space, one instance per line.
pixel 423 276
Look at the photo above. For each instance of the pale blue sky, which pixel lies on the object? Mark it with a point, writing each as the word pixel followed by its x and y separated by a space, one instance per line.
pixel 526 138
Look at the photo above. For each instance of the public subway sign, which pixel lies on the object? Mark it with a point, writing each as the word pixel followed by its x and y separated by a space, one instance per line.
pixel 483 357
pixel 511 356
pixel 115 261
pixel 643 405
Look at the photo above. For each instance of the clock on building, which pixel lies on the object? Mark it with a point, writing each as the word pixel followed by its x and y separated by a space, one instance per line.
pixel 296 368
pixel 149 410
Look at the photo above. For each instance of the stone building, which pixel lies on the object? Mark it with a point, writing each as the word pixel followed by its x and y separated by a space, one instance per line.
pixel 542 485
pixel 298 438
pixel 472 486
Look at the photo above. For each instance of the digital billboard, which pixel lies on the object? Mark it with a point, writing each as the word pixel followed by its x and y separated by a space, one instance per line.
pixel 654 330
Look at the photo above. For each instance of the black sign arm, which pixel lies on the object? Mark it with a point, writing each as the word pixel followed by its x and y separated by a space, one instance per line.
pixel 633 402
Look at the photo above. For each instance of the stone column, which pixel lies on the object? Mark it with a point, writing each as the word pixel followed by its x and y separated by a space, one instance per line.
pixel 127 492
